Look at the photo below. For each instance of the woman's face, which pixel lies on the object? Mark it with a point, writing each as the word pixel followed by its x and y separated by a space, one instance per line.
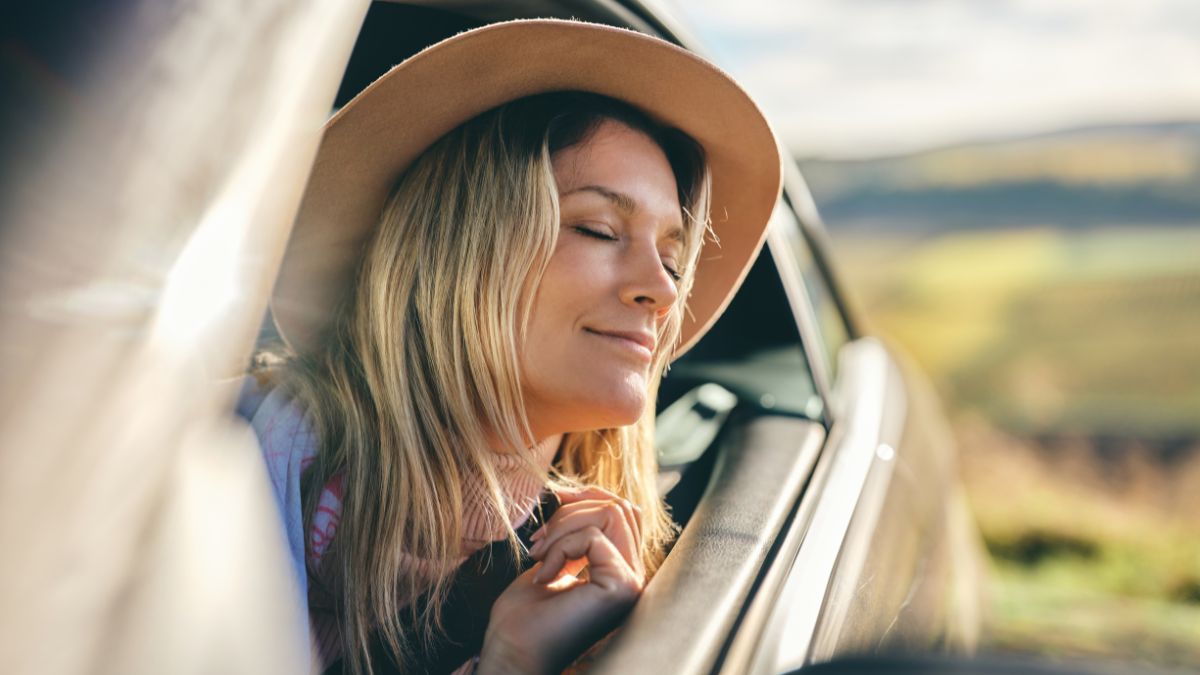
pixel 609 284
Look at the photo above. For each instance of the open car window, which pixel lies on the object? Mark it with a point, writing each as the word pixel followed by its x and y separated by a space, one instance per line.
pixel 754 350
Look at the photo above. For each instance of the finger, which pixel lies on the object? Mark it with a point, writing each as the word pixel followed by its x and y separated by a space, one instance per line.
pixel 606 566
pixel 572 546
pixel 568 495
pixel 608 517
pixel 633 513
pixel 636 517
pixel 584 505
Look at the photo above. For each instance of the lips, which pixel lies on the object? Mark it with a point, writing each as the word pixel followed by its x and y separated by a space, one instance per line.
pixel 635 340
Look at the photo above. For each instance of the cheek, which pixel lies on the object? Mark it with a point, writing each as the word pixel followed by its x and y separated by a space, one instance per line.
pixel 555 314
pixel 569 377
pixel 573 285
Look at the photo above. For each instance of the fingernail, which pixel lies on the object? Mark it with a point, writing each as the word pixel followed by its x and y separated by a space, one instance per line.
pixel 537 576
pixel 537 548
pixel 538 534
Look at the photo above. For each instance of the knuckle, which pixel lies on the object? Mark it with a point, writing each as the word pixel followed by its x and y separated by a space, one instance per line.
pixel 613 510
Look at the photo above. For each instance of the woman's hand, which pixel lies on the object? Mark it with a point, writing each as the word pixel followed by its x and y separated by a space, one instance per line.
pixel 548 616
pixel 618 520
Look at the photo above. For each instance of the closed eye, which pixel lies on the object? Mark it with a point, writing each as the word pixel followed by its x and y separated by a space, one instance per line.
pixel 604 236
pixel 594 234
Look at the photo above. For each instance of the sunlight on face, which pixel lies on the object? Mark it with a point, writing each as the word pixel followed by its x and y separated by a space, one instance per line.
pixel 611 280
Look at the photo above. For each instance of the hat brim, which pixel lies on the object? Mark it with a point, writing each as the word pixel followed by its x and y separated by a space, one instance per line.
pixel 378 134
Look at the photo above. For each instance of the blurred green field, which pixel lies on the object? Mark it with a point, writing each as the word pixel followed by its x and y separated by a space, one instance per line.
pixel 1044 330
pixel 1070 361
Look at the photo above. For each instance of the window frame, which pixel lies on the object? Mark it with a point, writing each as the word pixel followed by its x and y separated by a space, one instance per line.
pixel 804 313
pixel 816 235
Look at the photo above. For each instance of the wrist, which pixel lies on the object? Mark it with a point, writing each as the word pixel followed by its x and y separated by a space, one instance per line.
pixel 500 657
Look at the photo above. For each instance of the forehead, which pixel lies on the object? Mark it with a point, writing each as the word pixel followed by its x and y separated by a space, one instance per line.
pixel 625 163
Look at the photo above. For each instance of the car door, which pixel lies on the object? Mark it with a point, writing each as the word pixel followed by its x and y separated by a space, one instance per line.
pixel 883 557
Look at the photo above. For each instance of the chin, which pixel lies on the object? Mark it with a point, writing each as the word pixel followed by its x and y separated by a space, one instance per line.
pixel 607 403
pixel 626 419
pixel 619 413
pixel 595 414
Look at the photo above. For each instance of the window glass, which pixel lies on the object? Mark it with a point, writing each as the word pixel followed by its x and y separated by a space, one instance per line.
pixel 831 325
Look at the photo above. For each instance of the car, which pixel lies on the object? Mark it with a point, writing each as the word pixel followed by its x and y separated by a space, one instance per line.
pixel 808 463
pixel 812 471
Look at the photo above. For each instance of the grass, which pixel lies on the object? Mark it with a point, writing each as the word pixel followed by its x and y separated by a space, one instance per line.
pixel 1044 330
pixel 1043 616
pixel 1071 366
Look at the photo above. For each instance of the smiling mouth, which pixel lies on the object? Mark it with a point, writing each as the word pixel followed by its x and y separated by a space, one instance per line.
pixel 627 344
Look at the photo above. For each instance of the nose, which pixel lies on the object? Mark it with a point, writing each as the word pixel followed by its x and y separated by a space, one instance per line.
pixel 646 283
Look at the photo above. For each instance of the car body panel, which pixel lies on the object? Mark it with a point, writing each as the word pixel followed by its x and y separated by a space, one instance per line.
pixel 684 618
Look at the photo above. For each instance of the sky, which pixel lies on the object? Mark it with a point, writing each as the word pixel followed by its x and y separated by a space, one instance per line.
pixel 862 78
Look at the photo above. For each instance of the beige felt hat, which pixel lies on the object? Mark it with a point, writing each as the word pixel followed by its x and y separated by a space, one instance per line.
pixel 374 138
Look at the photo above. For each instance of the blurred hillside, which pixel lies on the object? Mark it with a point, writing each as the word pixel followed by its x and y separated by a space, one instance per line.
pixel 1050 286
pixel 1051 283
pixel 1145 174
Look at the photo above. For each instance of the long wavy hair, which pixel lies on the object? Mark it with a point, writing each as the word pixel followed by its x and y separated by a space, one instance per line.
pixel 419 374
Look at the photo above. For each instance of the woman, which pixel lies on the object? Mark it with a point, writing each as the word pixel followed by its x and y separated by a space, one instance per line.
pixel 486 281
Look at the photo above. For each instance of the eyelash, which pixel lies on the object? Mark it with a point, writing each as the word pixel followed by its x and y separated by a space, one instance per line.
pixel 594 234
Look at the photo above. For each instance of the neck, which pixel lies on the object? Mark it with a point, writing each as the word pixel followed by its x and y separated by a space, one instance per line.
pixel 547 445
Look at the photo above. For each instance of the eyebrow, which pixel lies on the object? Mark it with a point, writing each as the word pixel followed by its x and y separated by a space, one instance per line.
pixel 625 204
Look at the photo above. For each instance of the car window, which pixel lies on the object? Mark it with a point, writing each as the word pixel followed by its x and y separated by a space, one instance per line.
pixel 754 351
pixel 831 325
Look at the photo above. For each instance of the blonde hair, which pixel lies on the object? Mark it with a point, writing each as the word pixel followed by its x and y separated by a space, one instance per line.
pixel 422 363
